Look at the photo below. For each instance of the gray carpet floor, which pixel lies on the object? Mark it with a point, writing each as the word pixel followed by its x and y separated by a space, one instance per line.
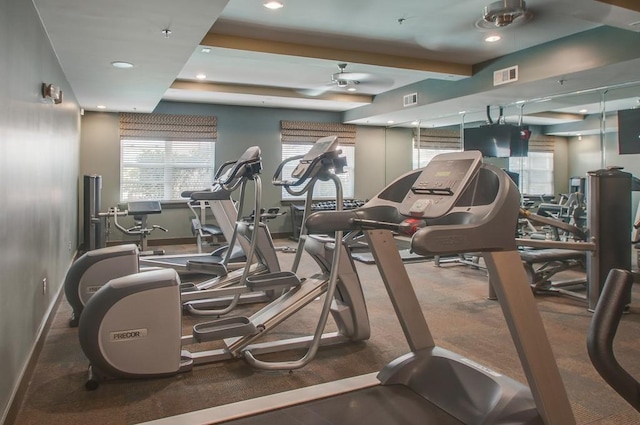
pixel 453 299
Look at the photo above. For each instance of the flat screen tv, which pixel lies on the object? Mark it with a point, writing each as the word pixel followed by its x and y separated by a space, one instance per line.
pixel 498 140
pixel 629 131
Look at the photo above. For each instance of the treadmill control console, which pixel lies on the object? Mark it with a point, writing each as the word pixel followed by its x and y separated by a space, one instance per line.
pixel 440 184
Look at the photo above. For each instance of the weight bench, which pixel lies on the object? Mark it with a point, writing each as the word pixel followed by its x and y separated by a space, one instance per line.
pixel 140 210
pixel 542 264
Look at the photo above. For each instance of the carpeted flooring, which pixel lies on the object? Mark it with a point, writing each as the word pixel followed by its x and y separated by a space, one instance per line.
pixel 454 302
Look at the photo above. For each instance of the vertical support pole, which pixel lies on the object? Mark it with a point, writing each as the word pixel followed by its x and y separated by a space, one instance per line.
pixel 523 319
pixel 609 224
pixel 401 292
pixel 603 130
pixel 93 227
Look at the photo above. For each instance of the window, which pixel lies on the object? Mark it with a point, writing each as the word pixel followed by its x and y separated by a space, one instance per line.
pixel 162 155
pixel 162 170
pixel 433 141
pixel 297 139
pixel 536 172
pixel 322 190
pixel 422 156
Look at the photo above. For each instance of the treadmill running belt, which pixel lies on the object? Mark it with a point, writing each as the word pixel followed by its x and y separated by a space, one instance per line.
pixel 406 255
pixel 377 405
pixel 182 260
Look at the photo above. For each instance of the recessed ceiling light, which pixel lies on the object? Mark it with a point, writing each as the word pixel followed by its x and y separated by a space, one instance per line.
pixel 492 38
pixel 415 122
pixel 351 89
pixel 583 111
pixel 101 107
pixel 205 50
pixel 390 122
pixel 201 76
pixel 273 5
pixel 122 64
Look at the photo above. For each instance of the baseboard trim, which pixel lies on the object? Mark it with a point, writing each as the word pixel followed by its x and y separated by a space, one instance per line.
pixel 20 390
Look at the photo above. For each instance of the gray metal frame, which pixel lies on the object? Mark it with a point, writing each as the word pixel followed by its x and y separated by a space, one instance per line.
pixel 469 392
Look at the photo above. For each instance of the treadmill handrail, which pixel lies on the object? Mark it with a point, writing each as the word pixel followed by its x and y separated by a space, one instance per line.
pixel 602 332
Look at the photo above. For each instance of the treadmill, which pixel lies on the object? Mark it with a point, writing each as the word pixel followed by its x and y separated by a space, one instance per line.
pixel 230 176
pixel 454 205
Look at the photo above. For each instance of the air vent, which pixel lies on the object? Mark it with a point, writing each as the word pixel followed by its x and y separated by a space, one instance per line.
pixel 410 99
pixel 506 75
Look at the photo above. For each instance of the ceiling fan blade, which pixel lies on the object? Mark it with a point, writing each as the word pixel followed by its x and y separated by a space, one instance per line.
pixel 315 91
pixel 351 76
pixel 377 81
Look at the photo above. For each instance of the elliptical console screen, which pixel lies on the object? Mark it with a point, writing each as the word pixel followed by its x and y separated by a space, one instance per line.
pixel 321 146
pixel 439 186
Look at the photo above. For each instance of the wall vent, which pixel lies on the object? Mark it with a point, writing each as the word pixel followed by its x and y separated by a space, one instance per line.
pixel 506 75
pixel 410 99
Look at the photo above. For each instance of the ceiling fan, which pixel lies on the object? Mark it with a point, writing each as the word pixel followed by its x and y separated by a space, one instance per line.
pixel 350 81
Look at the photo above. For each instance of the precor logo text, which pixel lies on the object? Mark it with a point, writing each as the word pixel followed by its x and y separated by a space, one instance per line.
pixel 128 335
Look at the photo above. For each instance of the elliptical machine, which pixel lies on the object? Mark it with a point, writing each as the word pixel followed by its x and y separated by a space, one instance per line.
pixel 122 335
pixel 93 269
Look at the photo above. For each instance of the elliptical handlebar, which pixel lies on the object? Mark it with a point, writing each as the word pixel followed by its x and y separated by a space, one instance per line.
pixel 310 170
pixel 602 332
pixel 239 172
pixel 323 156
pixel 229 177
pixel 332 282
pixel 277 176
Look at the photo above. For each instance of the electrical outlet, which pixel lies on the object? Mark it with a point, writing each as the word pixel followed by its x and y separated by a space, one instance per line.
pixel 44 286
pixel 69 246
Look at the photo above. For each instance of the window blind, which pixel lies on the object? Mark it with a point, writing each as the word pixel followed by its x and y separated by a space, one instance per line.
pixel 309 132
pixel 437 139
pixel 135 126
pixel 542 143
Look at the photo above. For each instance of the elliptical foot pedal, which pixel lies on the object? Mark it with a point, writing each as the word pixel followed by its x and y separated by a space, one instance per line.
pixel 188 287
pixel 205 267
pixel 227 327
pixel 273 281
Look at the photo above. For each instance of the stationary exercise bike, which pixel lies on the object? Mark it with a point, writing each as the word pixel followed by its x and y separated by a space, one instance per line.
pixel 93 269
pixel 123 335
